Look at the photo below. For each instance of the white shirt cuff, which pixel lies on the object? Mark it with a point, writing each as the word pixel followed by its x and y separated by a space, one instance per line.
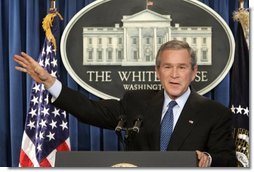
pixel 55 90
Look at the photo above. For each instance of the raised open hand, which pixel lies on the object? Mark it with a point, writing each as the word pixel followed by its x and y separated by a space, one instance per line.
pixel 33 68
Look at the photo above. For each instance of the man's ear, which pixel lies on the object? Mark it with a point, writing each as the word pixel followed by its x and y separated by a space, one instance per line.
pixel 195 70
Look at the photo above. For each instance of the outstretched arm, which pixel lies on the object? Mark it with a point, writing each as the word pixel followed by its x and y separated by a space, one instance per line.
pixel 33 68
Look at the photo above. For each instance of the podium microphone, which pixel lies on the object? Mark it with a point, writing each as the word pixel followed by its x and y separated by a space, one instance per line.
pixel 137 124
pixel 121 123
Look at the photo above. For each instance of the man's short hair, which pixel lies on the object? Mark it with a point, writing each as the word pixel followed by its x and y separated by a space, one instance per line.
pixel 176 45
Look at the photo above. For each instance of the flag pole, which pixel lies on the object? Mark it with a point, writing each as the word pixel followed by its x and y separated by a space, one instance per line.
pixel 48 22
pixel 52 4
pixel 241 4
pixel 242 15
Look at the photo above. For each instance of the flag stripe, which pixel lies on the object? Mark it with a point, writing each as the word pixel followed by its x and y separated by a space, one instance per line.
pixel 45 163
pixel 29 150
pixel 25 160
pixel 64 146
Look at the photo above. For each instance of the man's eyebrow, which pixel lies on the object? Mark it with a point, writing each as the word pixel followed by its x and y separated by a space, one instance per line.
pixel 179 64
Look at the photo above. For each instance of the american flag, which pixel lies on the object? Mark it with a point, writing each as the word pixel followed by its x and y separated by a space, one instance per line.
pixel 240 98
pixel 46 128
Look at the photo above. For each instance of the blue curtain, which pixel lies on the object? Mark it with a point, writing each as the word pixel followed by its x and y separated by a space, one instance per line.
pixel 20 30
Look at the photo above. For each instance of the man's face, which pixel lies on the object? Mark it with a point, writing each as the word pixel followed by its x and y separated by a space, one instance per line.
pixel 175 71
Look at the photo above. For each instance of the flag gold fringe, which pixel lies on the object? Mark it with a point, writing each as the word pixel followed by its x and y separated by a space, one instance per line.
pixel 47 24
pixel 242 16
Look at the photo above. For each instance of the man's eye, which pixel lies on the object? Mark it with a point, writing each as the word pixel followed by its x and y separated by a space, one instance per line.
pixel 167 67
pixel 183 67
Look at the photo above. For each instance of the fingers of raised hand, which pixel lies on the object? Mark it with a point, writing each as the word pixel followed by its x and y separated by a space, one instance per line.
pixel 20 69
pixel 21 61
pixel 27 64
pixel 23 66
pixel 28 58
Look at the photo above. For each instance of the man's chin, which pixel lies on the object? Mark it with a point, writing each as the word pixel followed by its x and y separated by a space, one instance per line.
pixel 174 94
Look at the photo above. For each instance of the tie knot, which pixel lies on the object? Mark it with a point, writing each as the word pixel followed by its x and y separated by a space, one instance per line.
pixel 172 104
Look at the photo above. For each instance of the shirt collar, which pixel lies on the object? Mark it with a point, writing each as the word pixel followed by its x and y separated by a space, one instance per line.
pixel 180 100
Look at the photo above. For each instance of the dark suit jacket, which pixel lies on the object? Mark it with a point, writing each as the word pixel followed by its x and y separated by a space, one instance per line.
pixel 203 124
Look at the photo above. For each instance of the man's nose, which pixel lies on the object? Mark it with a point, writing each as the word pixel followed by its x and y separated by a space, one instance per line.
pixel 174 72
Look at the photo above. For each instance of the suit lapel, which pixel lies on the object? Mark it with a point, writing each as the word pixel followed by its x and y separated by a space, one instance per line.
pixel 188 118
pixel 153 112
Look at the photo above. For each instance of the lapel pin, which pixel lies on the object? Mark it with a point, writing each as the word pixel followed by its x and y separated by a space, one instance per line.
pixel 191 122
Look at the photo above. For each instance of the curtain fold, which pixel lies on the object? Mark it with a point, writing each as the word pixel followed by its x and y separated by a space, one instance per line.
pixel 4 88
pixel 32 46
pixel 21 30
pixel 16 81
pixel 221 92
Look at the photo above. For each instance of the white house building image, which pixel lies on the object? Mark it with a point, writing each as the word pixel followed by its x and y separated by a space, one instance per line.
pixel 136 42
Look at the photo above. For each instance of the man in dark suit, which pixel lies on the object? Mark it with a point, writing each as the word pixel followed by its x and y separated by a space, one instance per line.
pixel 198 124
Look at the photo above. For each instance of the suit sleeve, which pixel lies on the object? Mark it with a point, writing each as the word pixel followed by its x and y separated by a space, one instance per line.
pixel 221 144
pixel 102 113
